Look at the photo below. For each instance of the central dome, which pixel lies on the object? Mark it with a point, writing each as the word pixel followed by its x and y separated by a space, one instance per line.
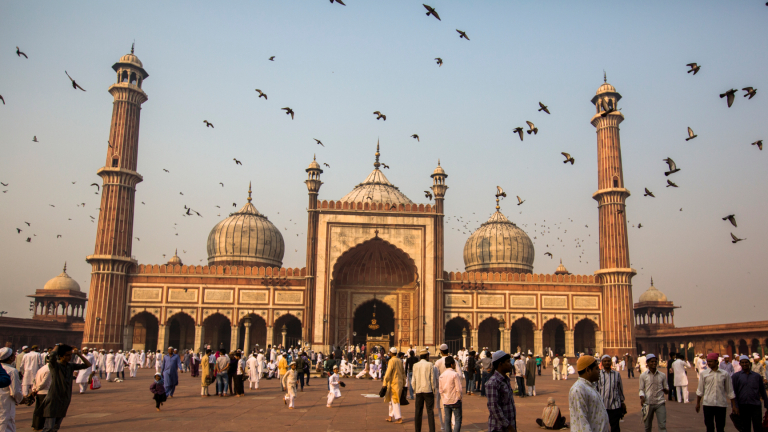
pixel 499 246
pixel 246 238
pixel 376 189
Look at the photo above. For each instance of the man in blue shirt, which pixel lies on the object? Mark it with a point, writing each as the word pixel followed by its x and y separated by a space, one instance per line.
pixel 749 389
pixel 171 366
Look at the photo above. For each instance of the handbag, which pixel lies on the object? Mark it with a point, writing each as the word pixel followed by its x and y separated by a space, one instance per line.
pixel 383 392
pixel 95 383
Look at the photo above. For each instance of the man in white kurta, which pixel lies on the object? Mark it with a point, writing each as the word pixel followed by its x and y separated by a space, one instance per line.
pixel 84 374
pixel 143 359
pixel 120 362
pixel 29 365
pixel 159 362
pixel 585 403
pixel 110 361
pixel 681 379
pixel 134 360
pixel 260 363
pixel 254 374
pixel 11 395
pixel 556 368
pixel 101 365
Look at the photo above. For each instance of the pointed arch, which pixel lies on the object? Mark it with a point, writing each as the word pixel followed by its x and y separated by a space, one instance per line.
pixel 375 262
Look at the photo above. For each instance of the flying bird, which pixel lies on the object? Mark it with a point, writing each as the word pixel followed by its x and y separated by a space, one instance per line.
pixel 383 165
pixel 519 201
pixel 691 135
pixel 736 239
pixel 97 186
pixel 732 219
pixel 208 124
pixel 619 211
pixel 18 230
pixel 326 164
pixel 318 141
pixel 759 144
pixel 29 239
pixel 1 99
pixel 58 236
pixel 222 184
pixel 672 167
pixel 431 11
pixel 75 85
pixel 19 53
pixel 339 2
pixel 531 128
pixel 234 204
pixel 568 158
pixel 428 194
pixel 379 115
pixel 166 170
pixel 519 131
pixel 28 224
pixel 416 136
pixel 751 92
pixel 237 162
pixel 462 34
pixel 694 68
pixel 181 193
pixel 544 108
pixel 34 139
pixel 730 93
pixel 670 183
pixel 649 193
pixel 439 61
pixel 500 192
pixel 272 58
pixel 639 226
pixel 262 94
pixel 606 109
pixel 288 110
pixel 548 253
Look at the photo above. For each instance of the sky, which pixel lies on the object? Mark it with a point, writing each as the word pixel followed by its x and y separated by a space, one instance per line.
pixel 335 65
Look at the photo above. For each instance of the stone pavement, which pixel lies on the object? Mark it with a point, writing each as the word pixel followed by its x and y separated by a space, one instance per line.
pixel 128 406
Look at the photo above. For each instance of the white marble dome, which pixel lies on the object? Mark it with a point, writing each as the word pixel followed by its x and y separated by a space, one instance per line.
pixel 652 295
pixel 376 188
pixel 62 282
pixel 499 245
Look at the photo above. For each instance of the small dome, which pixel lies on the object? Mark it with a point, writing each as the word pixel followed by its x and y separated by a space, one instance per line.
pixel 131 59
pixel 606 88
pixel 62 282
pixel 652 295
pixel 439 170
pixel 246 238
pixel 561 270
pixel 314 165
pixel 499 245
pixel 175 260
pixel 376 189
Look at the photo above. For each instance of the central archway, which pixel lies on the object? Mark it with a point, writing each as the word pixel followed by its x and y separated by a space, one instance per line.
pixel 376 314
pixel 521 336
pixel 489 334
pixel 218 331
pixel 145 330
pixel 181 331
pixel 554 336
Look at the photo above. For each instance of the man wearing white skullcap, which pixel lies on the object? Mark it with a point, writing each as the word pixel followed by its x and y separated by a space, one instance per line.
pixel 653 387
pixel 394 383
pixel 12 396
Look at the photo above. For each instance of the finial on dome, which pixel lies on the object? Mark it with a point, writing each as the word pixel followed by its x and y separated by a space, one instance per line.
pixel 132 45
pixel 176 252
pixel 651 280
pixel 438 161
pixel 497 204
pixel 65 267
pixel 605 77
pixel 377 164
pixel 249 192
pixel 314 157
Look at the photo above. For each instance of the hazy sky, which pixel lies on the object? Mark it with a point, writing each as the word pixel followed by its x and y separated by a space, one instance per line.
pixel 334 66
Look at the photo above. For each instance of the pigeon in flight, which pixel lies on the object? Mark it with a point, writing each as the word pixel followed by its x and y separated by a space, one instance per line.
pixel 730 94
pixel 639 226
pixel 568 158
pixel 318 141
pixel 166 170
pixel 732 219
pixel 222 184
pixel 20 53
pixel 18 230
pixel 428 194
pixel 759 144
pixel 272 58
pixel 532 128
pixel 97 186
pixel 544 108
pixel 326 164
pixel 519 201
pixel 1 99
pixel 28 224
pixel 237 162
pixel 548 253
pixel 649 193
pixel 672 167
pixel 383 165
pixel 691 135
pixel 431 11
pixel 519 131
pixel 34 139
pixel 670 183
pixel 500 192
pixel 75 85
pixel 288 110
pixel 439 61
pixel 379 115
pixel 416 137
pixel 462 34
pixel 736 239
pixel 751 92
pixel 694 68
pixel 208 124
pixel 339 2
pixel 606 109
pixel 262 94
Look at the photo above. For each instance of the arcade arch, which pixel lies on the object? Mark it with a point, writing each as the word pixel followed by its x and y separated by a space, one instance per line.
pixel 145 330
pixel 181 331
pixel 553 336
pixel 255 327
pixel 292 331
pixel 521 336
pixel 458 334
pixel 218 331
pixel 489 334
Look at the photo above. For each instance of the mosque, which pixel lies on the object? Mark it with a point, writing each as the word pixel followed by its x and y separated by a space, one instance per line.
pixel 374 268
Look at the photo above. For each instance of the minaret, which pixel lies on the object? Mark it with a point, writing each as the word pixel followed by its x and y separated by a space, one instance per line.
pixel 313 216
pixel 438 190
pixel 111 261
pixel 615 273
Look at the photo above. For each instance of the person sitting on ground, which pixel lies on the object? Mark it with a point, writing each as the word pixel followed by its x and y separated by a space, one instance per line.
pixel 551 417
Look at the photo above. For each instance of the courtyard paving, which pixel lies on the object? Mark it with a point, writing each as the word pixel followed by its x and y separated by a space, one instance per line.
pixel 128 406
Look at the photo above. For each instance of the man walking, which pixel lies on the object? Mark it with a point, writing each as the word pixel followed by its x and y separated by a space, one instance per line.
pixel 61 368
pixel 556 368
pixel 584 402
pixel 681 378
pixel 612 391
pixel 10 395
pixel 422 384
pixel 749 389
pixel 394 382
pixel 630 366
pixel 715 389
pixel 653 386
pixel 409 363
pixel 450 394
pixel 520 375
pixel 530 375
pixel 171 366
pixel 502 416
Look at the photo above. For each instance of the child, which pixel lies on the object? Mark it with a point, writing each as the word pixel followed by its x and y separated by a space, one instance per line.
pixel 333 383
pixel 158 389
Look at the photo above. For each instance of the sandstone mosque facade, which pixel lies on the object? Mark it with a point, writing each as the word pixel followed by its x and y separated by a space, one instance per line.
pixel 374 267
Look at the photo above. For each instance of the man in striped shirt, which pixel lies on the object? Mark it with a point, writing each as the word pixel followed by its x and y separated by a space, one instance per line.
pixel 610 388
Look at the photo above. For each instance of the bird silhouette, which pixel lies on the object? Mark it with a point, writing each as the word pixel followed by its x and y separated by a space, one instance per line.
pixel 759 144
pixel 288 110
pixel 439 61
pixel 606 109
pixel 519 201
pixel 339 2
pixel 736 239
pixel 548 253
pixel 379 115
pixel 730 94
pixel 97 186
pixel 234 204
pixel 262 94
pixel 568 158
pixel 181 193
pixel 428 194
pixel 29 239
pixel 500 192
pixel 383 165
pixel 222 184
pixel 691 135
pixel 208 124
pixel 318 141
pixel 519 131
pixel 649 193
pixel 431 11
pixel 694 68
pixel 732 219
pixel 28 224
pixel 670 183
pixel 751 92
pixel 237 162
pixel 416 136
pixel 462 34
pixel 272 58
pixel 531 128
pixel 18 230
pixel 639 226
pixel 619 211
pixel 34 139
pixel 672 166
pixel 75 85
pixel 544 108
pixel 1 99
pixel 19 53
pixel 166 170
pixel 326 164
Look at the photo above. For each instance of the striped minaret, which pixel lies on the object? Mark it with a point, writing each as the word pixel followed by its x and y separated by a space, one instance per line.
pixel 615 273
pixel 106 319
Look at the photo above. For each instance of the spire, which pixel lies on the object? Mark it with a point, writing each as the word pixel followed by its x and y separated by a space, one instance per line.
pixel 249 192
pixel 438 161
pixel 651 280
pixel 132 45
pixel 377 164
pixel 497 204
pixel 176 252
pixel 605 77
pixel 314 157
pixel 65 267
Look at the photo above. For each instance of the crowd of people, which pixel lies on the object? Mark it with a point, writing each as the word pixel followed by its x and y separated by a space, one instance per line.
pixel 436 382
